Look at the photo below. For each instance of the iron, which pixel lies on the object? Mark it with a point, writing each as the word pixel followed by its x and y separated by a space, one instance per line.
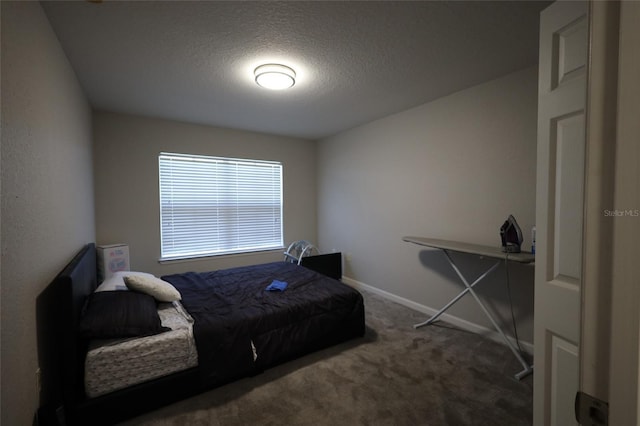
pixel 511 235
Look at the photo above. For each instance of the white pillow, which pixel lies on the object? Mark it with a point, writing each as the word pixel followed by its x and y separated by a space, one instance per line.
pixel 116 281
pixel 161 290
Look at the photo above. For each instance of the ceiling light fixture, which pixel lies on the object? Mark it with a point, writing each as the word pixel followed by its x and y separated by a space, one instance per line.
pixel 275 76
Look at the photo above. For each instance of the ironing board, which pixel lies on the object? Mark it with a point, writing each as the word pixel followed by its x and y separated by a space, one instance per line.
pixel 483 251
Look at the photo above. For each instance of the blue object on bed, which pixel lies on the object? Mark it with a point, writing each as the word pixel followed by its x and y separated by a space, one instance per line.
pixel 277 286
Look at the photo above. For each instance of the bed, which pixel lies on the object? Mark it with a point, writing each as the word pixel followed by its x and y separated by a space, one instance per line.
pixel 238 330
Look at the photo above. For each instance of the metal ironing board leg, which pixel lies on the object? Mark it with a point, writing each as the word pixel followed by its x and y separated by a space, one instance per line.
pixel 528 369
pixel 458 297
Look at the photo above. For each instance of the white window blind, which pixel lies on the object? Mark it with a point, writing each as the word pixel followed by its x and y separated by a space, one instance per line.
pixel 211 206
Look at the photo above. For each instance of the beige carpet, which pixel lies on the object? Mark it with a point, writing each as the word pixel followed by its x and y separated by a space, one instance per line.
pixel 395 375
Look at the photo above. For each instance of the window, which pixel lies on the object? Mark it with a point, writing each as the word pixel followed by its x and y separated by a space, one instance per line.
pixel 211 206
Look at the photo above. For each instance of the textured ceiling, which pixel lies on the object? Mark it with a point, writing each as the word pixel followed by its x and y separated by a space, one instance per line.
pixel 356 61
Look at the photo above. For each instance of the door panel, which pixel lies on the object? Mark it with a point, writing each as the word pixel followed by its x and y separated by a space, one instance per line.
pixel 569 51
pixel 567 158
pixel 564 374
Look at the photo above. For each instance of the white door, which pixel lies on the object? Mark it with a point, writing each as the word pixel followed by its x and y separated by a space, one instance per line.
pixel 559 210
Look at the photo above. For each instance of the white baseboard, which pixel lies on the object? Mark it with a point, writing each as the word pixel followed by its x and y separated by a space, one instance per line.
pixel 451 319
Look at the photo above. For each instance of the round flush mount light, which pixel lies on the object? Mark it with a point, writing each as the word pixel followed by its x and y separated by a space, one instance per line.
pixel 275 76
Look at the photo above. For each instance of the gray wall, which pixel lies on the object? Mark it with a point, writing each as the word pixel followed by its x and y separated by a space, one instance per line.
pixel 47 188
pixel 126 176
pixel 453 169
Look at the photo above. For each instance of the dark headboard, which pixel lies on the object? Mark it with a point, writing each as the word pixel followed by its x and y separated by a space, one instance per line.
pixel 60 352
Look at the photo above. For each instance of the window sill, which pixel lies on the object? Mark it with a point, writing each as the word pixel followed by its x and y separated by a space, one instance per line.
pixel 279 250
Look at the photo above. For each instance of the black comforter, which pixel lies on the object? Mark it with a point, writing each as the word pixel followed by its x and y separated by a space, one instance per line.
pixel 240 328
